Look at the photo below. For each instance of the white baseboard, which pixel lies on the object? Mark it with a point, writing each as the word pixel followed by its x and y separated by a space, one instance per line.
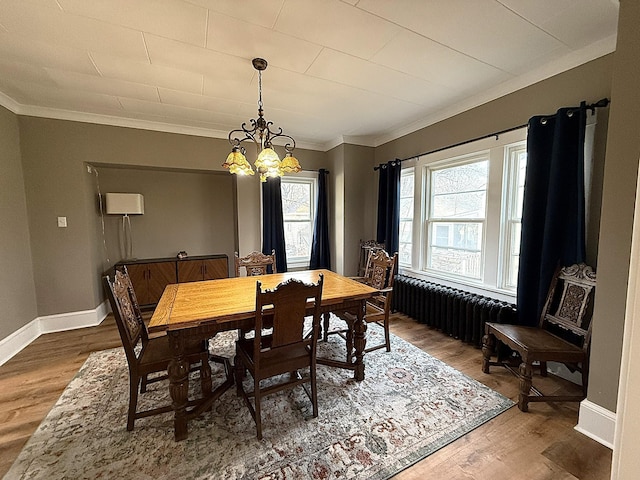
pixel 11 345
pixel 597 423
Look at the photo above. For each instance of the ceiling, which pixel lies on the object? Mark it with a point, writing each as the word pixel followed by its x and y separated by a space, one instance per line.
pixel 360 71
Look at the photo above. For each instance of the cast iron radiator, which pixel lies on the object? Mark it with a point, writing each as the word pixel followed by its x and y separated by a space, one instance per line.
pixel 455 312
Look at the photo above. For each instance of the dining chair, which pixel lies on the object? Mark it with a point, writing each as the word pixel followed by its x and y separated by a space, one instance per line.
pixel 379 274
pixel 145 355
pixel 283 351
pixel 366 248
pixel 256 263
pixel 563 335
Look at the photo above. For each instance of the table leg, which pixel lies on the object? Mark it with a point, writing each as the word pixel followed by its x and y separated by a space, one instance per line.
pixel 178 372
pixel 359 342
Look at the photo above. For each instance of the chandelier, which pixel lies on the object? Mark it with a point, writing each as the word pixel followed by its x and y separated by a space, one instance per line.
pixel 268 162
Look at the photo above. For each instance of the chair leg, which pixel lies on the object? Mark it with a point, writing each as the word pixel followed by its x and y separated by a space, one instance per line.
pixel 205 374
pixel 526 374
pixel 325 326
pixel 387 334
pixel 257 399
pixel 134 382
pixel 314 390
pixel 239 372
pixel 543 369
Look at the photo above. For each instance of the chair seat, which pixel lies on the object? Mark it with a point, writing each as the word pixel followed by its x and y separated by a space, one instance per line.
pixel 535 344
pixel 295 356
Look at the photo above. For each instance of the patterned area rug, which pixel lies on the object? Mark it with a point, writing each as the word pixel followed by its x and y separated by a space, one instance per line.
pixel 409 405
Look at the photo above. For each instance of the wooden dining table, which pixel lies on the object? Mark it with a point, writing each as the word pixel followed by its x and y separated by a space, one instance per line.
pixel 199 310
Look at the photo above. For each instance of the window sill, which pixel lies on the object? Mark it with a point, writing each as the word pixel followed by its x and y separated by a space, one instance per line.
pixel 478 288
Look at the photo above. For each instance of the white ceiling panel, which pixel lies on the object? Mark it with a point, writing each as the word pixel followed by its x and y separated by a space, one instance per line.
pixel 256 12
pixel 177 20
pixel 147 74
pixel 368 76
pixel 336 25
pixel 281 50
pixel 573 30
pixel 58 28
pixel 424 58
pixel 85 102
pixel 483 29
pixel 170 53
pixel 107 86
pixel 25 50
pixel 370 69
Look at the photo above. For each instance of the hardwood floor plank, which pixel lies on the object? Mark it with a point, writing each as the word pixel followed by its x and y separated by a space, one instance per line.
pixel 538 445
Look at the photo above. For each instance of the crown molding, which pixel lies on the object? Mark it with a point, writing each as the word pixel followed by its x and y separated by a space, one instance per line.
pixel 9 103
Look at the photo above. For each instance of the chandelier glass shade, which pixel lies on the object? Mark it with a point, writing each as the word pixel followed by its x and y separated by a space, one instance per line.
pixel 261 133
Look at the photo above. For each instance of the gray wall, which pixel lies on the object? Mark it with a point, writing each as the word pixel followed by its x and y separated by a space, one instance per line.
pixel 17 288
pixel 619 190
pixel 190 211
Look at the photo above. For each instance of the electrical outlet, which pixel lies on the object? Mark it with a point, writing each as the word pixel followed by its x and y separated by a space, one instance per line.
pixel 62 222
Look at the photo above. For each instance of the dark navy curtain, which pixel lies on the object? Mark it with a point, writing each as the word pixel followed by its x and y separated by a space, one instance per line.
pixel 389 205
pixel 320 251
pixel 553 223
pixel 273 222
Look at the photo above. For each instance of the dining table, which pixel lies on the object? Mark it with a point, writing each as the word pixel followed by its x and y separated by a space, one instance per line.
pixel 200 310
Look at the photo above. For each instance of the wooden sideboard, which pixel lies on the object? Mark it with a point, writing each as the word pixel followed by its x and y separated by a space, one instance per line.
pixel 151 275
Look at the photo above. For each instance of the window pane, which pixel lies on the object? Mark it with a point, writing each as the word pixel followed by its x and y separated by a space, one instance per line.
pixel 514 188
pixel 297 237
pixel 406 216
pixel 298 204
pixel 296 201
pixel 456 248
pixel 459 192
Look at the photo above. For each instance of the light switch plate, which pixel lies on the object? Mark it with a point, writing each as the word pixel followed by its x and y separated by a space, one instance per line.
pixel 62 221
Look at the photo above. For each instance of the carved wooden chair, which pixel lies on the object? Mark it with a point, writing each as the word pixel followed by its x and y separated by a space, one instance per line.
pixel 367 247
pixel 285 350
pixel 563 336
pixel 380 274
pixel 146 355
pixel 256 263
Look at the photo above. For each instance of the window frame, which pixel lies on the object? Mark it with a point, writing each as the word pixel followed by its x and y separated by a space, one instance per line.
pixel 493 230
pixel 509 210
pixel 405 172
pixel 310 178
pixel 429 220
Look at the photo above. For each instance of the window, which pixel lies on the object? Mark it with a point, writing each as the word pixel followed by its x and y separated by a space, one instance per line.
pixel 515 168
pixel 406 216
pixel 463 227
pixel 457 210
pixel 298 209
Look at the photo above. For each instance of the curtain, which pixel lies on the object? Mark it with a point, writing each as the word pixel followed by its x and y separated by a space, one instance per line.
pixel 273 222
pixel 553 217
pixel 389 206
pixel 320 251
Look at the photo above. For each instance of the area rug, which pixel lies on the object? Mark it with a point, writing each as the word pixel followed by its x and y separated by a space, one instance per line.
pixel 409 405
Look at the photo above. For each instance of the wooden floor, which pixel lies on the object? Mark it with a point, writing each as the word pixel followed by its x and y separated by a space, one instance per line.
pixel 541 444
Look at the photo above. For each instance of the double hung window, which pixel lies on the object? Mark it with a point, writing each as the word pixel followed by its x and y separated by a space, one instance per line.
pixel 298 210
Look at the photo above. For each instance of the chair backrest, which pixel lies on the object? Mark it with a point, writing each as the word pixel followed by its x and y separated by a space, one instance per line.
pixel 568 309
pixel 367 247
pixel 285 308
pixel 126 312
pixel 256 263
pixel 381 269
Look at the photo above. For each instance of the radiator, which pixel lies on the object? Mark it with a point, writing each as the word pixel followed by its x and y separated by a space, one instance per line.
pixel 455 312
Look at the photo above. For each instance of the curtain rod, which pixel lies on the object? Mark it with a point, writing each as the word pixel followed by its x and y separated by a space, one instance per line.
pixel 600 103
